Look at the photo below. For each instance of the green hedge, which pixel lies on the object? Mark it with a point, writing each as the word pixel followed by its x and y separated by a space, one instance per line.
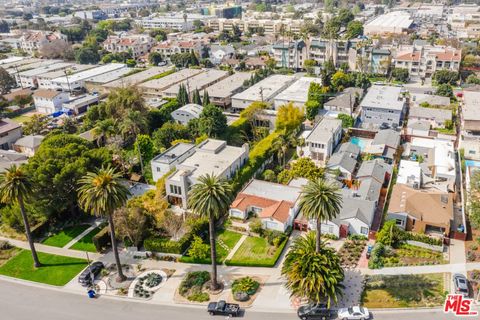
pixel 234 132
pixel 422 238
pixel 102 239
pixel 266 264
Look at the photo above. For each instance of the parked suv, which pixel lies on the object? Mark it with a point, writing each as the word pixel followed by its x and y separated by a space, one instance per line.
pixel 460 284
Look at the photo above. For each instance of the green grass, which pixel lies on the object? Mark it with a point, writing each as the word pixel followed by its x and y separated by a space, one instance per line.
pixel 404 291
pixel 86 243
pixel 256 252
pixel 64 236
pixel 56 270
pixel 21 119
pixel 230 239
pixel 161 75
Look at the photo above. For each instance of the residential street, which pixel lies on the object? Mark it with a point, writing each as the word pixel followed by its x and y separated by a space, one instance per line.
pixel 24 302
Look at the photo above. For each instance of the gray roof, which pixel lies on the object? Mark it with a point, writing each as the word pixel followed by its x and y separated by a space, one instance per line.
pixel 9 158
pixel 355 207
pixel 387 137
pixel 350 148
pixel 192 108
pixel 384 97
pixel 471 105
pixel 419 124
pixel 324 130
pixel 273 191
pixel 431 113
pixel 343 160
pixel 434 100
pixel 32 141
pixel 375 169
pixel 173 153
pixel 346 99
pixel 370 189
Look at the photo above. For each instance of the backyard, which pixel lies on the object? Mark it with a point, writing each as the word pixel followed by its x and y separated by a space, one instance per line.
pixel 404 291
pixel 64 236
pixel 55 270
pixel 86 243
pixel 256 252
pixel 224 238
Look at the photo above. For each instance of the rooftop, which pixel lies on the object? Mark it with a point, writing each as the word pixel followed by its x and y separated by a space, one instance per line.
pixel 45 69
pixel 90 73
pixel 173 153
pixel 298 91
pixel 265 89
pixel 430 113
pixel 198 81
pixel 192 108
pixel 138 77
pixel 170 80
pixel 46 94
pixel 397 19
pixel 409 172
pixel 384 97
pixel 324 130
pixel 471 105
pixel 7 125
pixel 226 87
pixel 109 76
pixel 273 191
pixel 31 141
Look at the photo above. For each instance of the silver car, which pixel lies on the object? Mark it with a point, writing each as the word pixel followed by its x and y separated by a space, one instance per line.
pixel 460 284
pixel 353 313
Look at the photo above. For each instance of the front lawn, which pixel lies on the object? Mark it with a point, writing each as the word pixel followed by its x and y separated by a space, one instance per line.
pixel 55 270
pixel 408 255
pixel 7 253
pixel 404 291
pixel 64 236
pixel 86 243
pixel 256 252
pixel 225 237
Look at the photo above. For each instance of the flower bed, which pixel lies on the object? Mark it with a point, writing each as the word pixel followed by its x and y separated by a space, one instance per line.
pixel 244 288
pixel 408 255
pixel 350 252
pixel 192 286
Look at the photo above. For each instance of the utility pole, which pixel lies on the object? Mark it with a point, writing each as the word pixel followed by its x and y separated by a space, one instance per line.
pixel 68 82
pixel 18 76
pixel 261 94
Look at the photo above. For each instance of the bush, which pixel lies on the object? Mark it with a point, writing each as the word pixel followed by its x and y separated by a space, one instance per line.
pixel 246 284
pixel 376 258
pixel 422 238
pixel 256 226
pixel 5 245
pixel 102 239
pixel 199 297
pixel 329 236
pixel 191 286
pixel 357 237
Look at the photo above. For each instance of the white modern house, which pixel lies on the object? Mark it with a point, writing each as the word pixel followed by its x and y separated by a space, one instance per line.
pixel 49 101
pixel 275 204
pixel 166 161
pixel 209 157
pixel 186 113
pixel 383 105
pixel 323 139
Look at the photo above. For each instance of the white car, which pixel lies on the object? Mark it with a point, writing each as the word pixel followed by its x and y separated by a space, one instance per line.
pixel 353 313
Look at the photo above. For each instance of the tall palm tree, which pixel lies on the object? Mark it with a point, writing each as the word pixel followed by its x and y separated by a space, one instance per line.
pixel 211 197
pixel 134 123
pixel 100 193
pixel 15 187
pixel 320 200
pixel 104 130
pixel 313 274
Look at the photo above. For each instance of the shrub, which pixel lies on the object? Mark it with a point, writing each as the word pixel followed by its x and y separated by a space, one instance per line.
pixel 471 256
pixel 246 284
pixel 256 226
pixel 357 237
pixel 198 249
pixel 5 245
pixel 421 238
pixel 191 286
pixel 376 258
pixel 102 239
pixel 474 247
pixel 329 236
pixel 199 297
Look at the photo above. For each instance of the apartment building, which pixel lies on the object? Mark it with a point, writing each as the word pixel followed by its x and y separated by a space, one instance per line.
pixel 32 41
pixel 323 139
pixel 170 47
pixel 268 26
pixel 383 105
pixel 138 44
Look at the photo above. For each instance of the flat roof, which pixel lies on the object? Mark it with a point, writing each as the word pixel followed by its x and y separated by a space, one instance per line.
pixel 298 91
pixel 10 60
pixel 74 68
pixel 227 86
pixel 198 81
pixel 385 97
pixel 268 87
pixel 19 62
pixel 471 105
pixel 84 75
pixel 273 191
pixel 45 69
pixel 34 65
pixel 324 130
pixel 171 79
pixel 396 19
pixel 173 153
pixel 109 76
pixel 138 77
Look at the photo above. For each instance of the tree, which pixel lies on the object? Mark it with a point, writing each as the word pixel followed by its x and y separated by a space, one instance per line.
pixel 121 100
pixel 390 234
pixel 182 95
pixel 170 131
pixel 320 200
pixel 130 224
pixel 104 130
pixel 269 175
pixel 313 271
pixel 331 29
pixel 340 80
pixel 312 107
pixel 198 249
pixel 211 197
pixel 400 74
pixel 446 77
pixel 206 98
pixel 354 29
pixel 444 90
pixel 101 193
pixel 87 55
pixel 35 125
pixel 196 97
pixel 309 65
pixel 212 121
pixel 345 16
pixel 144 145
pixel 158 34
pixel 155 58
pixel 289 118
pixel 474 196
pixel 472 79
pixel 347 120
pixel 7 82
pixel 134 123
pixel 15 188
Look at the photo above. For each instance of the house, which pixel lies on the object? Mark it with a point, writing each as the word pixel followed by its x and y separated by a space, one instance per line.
pixel 470 134
pixel 9 158
pixel 186 113
pixel 436 117
pixel 372 175
pixel 137 44
pixel 297 93
pixel 218 53
pixel 384 145
pixel 345 160
pixel 209 157
pixel 169 48
pixel 275 204
pixel 419 128
pixel 323 139
pixel 383 105
pixel 420 210
pixel 345 102
pixel 49 101
pixel 10 131
pixel 166 161
pixel 28 145
pixel 33 41
pixel 420 99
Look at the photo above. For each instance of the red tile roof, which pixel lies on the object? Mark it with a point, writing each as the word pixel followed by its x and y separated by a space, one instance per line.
pixel 278 210
pixel 410 56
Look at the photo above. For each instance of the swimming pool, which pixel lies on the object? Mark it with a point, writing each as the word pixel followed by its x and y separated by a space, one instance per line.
pixel 362 143
pixel 472 163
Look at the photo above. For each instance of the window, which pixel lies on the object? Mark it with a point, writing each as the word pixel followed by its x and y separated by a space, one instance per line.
pixel 159 169
pixel 399 222
pixel 471 152
pixel 413 222
pixel 364 230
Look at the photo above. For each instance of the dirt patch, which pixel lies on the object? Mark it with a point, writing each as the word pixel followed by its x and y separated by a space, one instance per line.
pixel 472 247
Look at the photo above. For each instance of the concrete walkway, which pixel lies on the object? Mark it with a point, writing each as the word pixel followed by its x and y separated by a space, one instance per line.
pixel 235 248
pixel 52 250
pixel 83 234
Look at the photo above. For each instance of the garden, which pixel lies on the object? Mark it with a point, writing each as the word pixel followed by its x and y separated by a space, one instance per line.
pixel 257 252
pixel 404 291
pixel 193 286
pixel 351 251
pixel 474 278
pixel 244 289
pixel 7 251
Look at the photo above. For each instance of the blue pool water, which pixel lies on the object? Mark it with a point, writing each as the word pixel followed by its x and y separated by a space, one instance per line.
pixel 359 142
pixel 472 163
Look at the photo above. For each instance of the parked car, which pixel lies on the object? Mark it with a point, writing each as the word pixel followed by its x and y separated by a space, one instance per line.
pixel 353 313
pixel 223 308
pixel 460 284
pixel 314 311
pixel 88 275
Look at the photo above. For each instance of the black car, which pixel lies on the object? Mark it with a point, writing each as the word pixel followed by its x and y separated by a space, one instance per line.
pixel 314 311
pixel 88 275
pixel 224 309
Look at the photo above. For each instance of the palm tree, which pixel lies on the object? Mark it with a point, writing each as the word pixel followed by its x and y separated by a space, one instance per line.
pixel 100 193
pixel 211 197
pixel 15 187
pixel 311 273
pixel 104 130
pixel 320 200
pixel 134 124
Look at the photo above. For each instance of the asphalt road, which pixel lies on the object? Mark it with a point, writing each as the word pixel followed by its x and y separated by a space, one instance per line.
pixel 24 302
